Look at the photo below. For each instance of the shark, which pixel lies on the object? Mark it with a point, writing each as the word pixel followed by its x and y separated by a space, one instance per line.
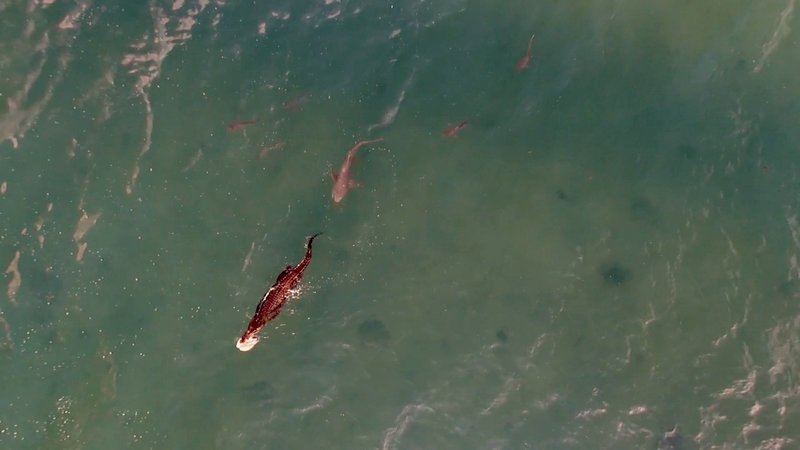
pixel 523 62
pixel 343 182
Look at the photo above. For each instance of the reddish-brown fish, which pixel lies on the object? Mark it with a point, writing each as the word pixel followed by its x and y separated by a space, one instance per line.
pixel 523 62
pixel 453 130
pixel 239 125
pixel 342 182
pixel 273 300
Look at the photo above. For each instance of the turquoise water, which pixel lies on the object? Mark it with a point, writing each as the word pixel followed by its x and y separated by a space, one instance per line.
pixel 608 249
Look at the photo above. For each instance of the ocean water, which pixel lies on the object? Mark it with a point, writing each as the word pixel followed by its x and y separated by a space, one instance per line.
pixel 605 256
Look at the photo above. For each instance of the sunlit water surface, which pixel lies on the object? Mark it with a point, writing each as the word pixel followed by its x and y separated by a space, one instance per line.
pixel 608 249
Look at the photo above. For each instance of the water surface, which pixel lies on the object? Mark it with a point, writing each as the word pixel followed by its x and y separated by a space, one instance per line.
pixel 606 251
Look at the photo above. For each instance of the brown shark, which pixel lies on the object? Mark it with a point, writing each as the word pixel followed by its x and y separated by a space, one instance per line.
pixel 523 62
pixel 239 125
pixel 343 182
pixel 273 300
pixel 453 130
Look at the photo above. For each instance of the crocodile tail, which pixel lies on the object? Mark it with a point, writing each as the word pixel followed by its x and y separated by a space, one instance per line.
pixel 310 240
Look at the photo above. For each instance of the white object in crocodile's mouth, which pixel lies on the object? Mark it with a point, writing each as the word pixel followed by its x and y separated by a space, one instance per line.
pixel 247 344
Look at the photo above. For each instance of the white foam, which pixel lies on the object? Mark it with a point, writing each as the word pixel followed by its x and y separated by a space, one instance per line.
pixel 18 120
pixel 392 435
pixel 186 23
pixel 776 443
pixel 16 278
pixel 69 21
pixel 778 35
pixel 318 404
pixel 148 136
pixel 247 344
pixel 85 223
pixel 591 413
pixel 794 231
pixel 638 410
pixel 147 65
pixel 511 385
